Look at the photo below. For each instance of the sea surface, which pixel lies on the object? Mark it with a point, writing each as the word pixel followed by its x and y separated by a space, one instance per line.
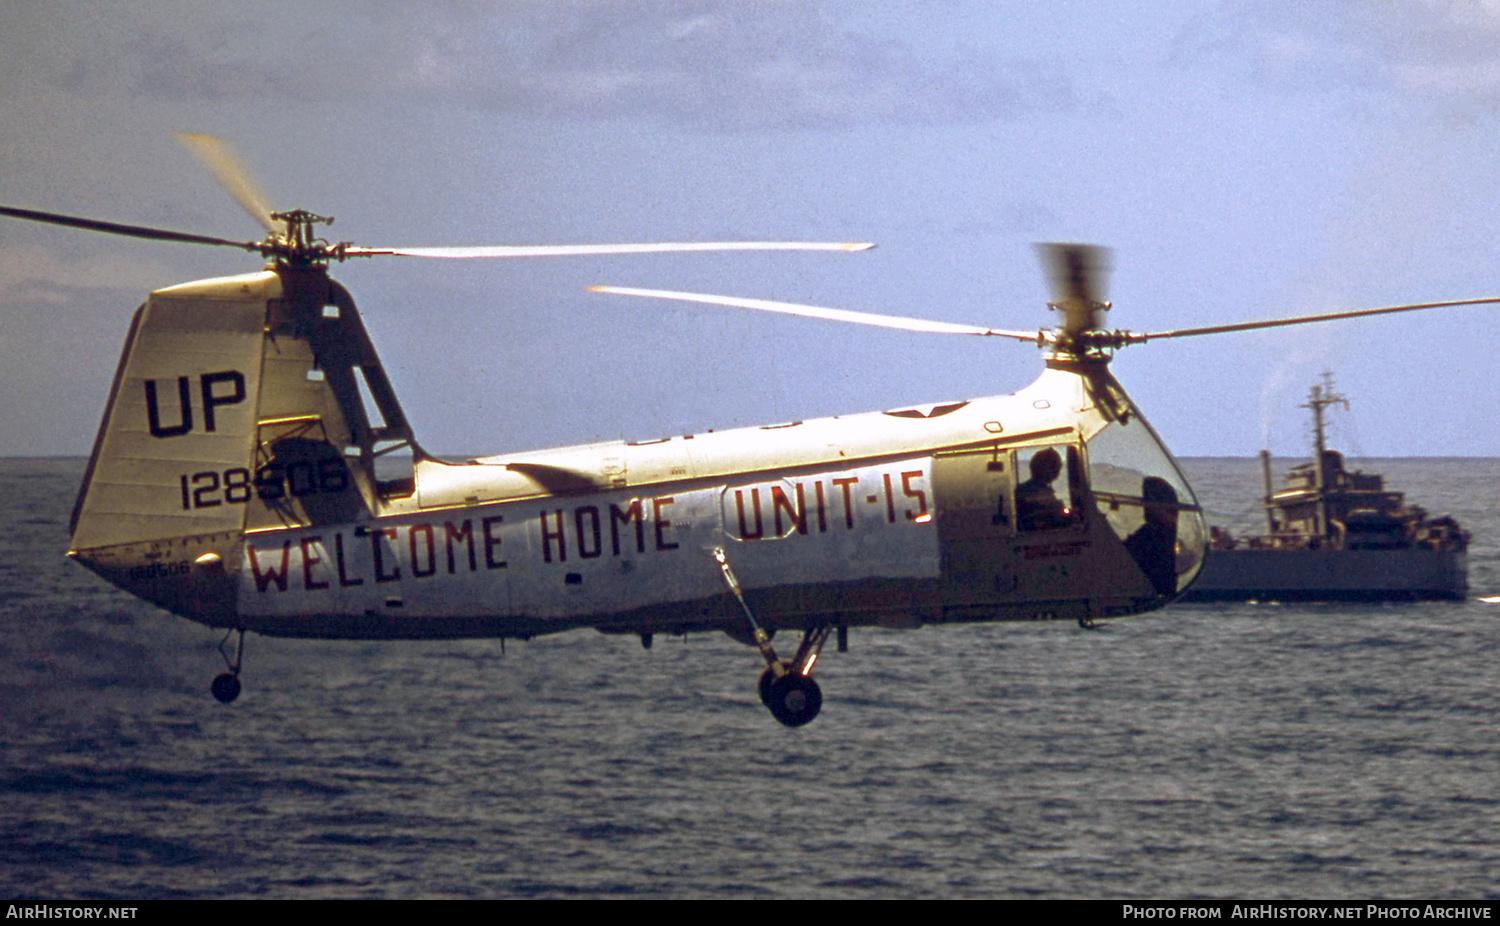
pixel 1207 751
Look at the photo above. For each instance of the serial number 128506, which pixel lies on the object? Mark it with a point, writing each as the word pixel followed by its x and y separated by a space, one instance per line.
pixel 271 482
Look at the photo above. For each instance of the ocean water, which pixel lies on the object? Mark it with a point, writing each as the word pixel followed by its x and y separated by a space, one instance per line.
pixel 1265 751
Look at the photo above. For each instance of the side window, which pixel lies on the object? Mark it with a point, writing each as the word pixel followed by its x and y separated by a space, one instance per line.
pixel 1051 495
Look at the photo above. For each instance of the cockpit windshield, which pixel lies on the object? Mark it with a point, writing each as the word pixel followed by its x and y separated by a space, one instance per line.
pixel 1140 492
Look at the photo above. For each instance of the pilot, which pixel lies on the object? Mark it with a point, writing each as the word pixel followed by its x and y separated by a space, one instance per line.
pixel 1037 505
pixel 1154 544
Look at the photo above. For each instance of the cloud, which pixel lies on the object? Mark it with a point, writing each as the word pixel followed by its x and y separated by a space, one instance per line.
pixel 1409 51
pixel 771 64
pixel 781 64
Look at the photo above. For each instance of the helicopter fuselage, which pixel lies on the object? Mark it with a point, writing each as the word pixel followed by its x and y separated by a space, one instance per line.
pixel 268 504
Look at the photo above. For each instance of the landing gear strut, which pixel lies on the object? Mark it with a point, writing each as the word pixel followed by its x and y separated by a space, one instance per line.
pixel 226 686
pixel 787 688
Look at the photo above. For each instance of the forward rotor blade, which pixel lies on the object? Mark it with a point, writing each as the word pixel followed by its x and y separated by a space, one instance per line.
pixel 221 161
pixel 133 231
pixel 563 250
pixel 812 311
pixel 1309 319
pixel 1076 271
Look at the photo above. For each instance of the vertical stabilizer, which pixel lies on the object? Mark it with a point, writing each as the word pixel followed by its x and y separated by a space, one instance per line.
pixel 250 403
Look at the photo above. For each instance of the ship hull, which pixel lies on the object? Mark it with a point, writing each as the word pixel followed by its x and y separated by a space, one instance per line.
pixel 1331 575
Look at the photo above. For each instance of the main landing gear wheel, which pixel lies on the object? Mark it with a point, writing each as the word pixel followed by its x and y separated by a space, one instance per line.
pixel 793 699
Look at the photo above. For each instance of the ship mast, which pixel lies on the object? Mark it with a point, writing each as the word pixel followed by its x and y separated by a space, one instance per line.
pixel 1320 398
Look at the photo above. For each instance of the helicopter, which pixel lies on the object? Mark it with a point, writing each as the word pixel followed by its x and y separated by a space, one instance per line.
pixel 254 472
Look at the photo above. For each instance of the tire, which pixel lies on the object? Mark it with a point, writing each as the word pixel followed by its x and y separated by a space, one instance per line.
pixel 794 699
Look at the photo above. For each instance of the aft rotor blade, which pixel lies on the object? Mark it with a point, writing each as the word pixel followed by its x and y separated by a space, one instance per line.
pixel 1309 319
pixel 565 250
pixel 133 231
pixel 221 161
pixel 812 311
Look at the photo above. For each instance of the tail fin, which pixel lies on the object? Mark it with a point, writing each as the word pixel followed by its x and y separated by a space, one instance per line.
pixel 237 405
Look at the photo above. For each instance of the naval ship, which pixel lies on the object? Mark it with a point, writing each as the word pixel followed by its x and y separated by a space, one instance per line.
pixel 1335 535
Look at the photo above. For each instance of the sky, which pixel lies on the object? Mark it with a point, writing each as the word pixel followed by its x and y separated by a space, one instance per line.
pixel 1242 159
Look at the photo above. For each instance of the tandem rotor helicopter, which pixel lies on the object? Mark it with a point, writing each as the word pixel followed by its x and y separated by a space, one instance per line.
pixel 234 482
